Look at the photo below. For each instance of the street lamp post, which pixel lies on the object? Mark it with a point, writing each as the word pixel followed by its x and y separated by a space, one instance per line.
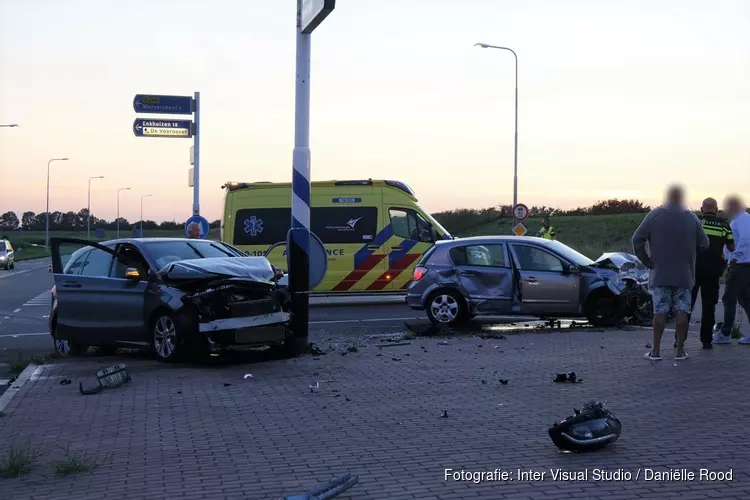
pixel 11 125
pixel 88 208
pixel 515 147
pixel 46 223
pixel 118 209
pixel 143 196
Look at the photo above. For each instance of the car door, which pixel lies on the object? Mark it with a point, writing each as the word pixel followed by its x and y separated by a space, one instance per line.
pixel 545 287
pixel 485 276
pixel 411 236
pixel 90 306
pixel 128 295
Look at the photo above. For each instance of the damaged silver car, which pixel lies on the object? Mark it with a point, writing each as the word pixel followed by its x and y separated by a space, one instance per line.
pixel 514 276
pixel 178 298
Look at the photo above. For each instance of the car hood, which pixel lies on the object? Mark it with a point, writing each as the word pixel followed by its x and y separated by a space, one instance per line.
pixel 619 261
pixel 257 269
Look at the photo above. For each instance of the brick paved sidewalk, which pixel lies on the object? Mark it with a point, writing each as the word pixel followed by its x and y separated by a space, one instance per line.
pixel 181 432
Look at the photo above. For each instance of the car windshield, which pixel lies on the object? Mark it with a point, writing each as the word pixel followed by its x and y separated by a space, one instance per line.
pixel 166 252
pixel 568 253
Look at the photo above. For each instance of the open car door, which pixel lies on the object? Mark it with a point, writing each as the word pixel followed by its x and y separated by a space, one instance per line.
pixel 92 307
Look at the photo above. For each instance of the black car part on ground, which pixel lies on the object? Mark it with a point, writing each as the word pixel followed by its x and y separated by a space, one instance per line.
pixel 591 428
pixel 329 490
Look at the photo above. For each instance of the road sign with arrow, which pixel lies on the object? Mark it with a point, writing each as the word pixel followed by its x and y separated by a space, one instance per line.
pixel 146 127
pixel 169 104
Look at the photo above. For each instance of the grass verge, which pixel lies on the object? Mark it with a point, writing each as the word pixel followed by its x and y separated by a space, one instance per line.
pixel 19 461
pixel 75 463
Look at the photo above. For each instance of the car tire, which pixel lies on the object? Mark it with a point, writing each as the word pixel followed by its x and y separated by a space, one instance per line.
pixel 447 307
pixel 67 348
pixel 165 336
pixel 601 308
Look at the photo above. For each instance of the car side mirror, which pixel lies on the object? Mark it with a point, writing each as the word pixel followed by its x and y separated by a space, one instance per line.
pixel 279 273
pixel 132 273
pixel 571 269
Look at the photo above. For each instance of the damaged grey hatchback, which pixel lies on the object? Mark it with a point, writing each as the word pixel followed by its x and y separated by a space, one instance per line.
pixel 513 276
pixel 178 298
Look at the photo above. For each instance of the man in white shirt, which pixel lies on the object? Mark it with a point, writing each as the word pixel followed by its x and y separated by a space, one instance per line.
pixel 737 282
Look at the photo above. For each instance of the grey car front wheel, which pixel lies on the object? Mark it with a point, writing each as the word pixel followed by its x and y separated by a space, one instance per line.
pixel 446 307
pixel 164 337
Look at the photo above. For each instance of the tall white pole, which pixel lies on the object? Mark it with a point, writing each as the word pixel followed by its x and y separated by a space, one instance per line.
pixel 299 245
pixel 515 141
pixel 197 155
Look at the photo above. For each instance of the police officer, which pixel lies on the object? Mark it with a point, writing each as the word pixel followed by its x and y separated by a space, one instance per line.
pixel 710 265
pixel 547 231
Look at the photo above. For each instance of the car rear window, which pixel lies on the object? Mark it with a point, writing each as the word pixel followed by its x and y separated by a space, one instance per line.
pixel 166 252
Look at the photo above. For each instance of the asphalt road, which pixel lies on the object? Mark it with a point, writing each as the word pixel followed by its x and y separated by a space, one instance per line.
pixel 25 304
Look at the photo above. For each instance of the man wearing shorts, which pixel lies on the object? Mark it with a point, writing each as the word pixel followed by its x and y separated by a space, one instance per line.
pixel 674 236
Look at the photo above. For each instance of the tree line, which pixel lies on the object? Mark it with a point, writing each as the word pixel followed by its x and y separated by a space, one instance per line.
pixel 77 221
pixel 468 218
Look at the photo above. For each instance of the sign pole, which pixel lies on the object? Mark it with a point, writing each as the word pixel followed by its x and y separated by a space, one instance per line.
pixel 196 150
pixel 299 248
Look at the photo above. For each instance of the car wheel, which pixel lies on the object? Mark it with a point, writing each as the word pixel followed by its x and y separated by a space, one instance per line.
pixel 67 348
pixel 447 307
pixel 602 309
pixel 165 338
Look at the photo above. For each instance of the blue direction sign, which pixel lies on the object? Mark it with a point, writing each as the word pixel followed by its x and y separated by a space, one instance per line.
pixel 201 221
pixel 314 12
pixel 162 127
pixel 169 104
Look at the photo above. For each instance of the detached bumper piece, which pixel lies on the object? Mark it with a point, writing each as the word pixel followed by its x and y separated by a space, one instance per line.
pixel 591 428
pixel 247 322
pixel 328 490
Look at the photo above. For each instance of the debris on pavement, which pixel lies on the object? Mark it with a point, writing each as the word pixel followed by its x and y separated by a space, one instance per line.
pixel 109 378
pixel 248 375
pixel 484 382
pixel 227 384
pixel 66 381
pixel 352 348
pixel 567 377
pixel 647 346
pixel 328 490
pixel 394 345
pixel 591 428
pixel 314 349
pixel 444 342
pixel 503 381
pixel 314 387
pixel 396 359
pixel 445 414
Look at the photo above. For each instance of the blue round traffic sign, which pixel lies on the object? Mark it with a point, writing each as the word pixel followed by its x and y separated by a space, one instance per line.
pixel 202 222
pixel 318 258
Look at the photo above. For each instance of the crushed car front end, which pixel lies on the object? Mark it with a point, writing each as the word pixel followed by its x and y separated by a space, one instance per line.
pixel 230 303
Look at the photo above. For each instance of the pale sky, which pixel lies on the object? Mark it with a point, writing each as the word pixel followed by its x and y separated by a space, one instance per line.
pixel 617 98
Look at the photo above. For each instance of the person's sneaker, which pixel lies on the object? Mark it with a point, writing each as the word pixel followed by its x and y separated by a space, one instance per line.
pixel 708 346
pixel 681 356
pixel 651 357
pixel 744 341
pixel 721 339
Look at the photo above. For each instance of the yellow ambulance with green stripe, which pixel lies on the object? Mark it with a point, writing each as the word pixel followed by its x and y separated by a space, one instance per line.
pixel 374 232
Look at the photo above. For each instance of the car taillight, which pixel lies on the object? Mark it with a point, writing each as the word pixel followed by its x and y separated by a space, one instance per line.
pixel 419 272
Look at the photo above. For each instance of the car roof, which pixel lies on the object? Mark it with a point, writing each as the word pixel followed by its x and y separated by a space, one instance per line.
pixel 146 240
pixel 494 239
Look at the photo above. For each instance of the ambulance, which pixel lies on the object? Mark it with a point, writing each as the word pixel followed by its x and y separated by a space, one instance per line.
pixel 374 232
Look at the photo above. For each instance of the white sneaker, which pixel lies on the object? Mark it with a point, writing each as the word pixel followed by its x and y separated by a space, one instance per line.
pixel 744 341
pixel 649 357
pixel 719 338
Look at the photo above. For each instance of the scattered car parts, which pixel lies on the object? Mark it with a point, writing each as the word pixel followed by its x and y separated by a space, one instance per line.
pixel 591 428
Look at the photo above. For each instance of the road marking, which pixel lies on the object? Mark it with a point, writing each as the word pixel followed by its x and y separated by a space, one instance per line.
pixel 43 299
pixel 16 273
pixel 13 335
pixel 17 310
